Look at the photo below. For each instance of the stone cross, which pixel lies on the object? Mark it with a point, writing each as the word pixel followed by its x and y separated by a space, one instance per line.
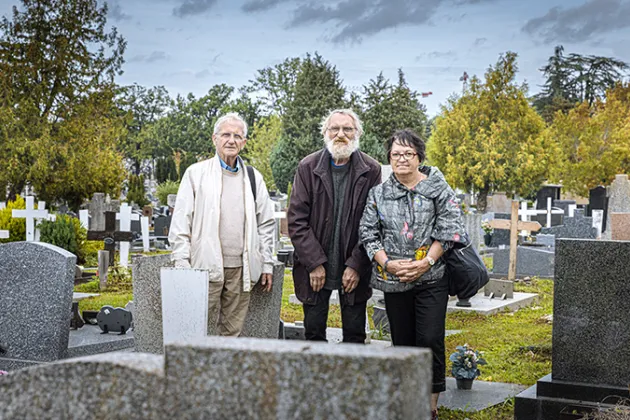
pixel 125 218
pixel 514 225
pixel 525 213
pixel 278 216
pixel 110 236
pixel 4 234
pixel 30 214
pixel 598 221
pixel 2 205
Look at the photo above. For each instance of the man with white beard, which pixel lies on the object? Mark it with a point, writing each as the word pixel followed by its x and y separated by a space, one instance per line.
pixel 327 201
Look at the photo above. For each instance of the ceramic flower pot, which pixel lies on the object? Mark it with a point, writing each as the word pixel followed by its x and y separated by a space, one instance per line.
pixel 487 239
pixel 464 383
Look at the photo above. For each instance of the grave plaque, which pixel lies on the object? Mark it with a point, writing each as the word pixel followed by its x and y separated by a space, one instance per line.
pixel 597 200
pixel 620 226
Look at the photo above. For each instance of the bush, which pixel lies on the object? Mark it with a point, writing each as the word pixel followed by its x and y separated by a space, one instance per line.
pixel 91 249
pixel 16 227
pixel 165 170
pixel 136 193
pixel 166 188
pixel 65 232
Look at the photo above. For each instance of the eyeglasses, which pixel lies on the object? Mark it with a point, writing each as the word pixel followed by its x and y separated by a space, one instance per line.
pixel 226 136
pixel 346 130
pixel 406 155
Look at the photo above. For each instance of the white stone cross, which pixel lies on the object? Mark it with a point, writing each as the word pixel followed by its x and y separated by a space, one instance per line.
pixel 30 214
pixel 2 205
pixel 144 224
pixel 125 218
pixel 572 208
pixel 41 205
pixel 525 213
pixel 598 221
pixel 184 304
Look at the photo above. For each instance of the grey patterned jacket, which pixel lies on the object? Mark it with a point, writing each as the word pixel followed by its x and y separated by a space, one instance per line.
pixel 405 223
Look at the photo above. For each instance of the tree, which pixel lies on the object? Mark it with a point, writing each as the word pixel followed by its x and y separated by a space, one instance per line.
pixel 318 90
pixel 136 192
pixel 142 107
pixel 489 138
pixel 592 142
pixel 388 108
pixel 276 85
pixel 56 58
pixel 576 78
pixel 264 136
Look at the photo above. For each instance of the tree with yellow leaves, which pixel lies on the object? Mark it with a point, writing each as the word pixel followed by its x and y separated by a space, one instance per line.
pixel 593 142
pixel 489 140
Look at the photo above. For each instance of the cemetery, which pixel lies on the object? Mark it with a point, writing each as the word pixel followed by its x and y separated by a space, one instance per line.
pixel 101 317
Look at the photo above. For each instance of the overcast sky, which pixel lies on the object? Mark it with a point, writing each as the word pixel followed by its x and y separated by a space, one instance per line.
pixel 190 45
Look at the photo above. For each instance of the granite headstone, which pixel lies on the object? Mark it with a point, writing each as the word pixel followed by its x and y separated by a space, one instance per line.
pixel 472 224
pixel 597 200
pixel 36 282
pixel 618 201
pixel 577 227
pixel 591 331
pixel 620 226
pixel 530 261
pixel 544 193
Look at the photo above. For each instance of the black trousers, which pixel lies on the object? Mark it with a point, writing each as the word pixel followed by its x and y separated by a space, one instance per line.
pixel 417 318
pixel 352 319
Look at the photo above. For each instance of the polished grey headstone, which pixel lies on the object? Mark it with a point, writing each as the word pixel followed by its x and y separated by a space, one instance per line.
pixel 530 261
pixel 591 321
pixel 482 395
pixel 36 282
pixel 244 378
pixel 472 224
pixel 147 292
pixel 263 314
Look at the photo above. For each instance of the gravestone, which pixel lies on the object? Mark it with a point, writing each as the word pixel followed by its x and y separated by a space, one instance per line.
pixel 147 298
pixel 618 200
pixel 228 378
pixel 31 274
pixel 530 261
pixel 109 235
pixel 136 227
pixel 147 211
pixel 386 172
pixel 546 240
pixel 184 304
pixel 591 332
pixel 97 207
pixel 620 226
pixel 31 215
pixel 500 236
pixel 597 200
pixel 265 307
pixel 161 226
pixel 564 205
pixel 144 223
pixel 598 221
pixel 578 227
pixel 499 203
pixel 126 217
pixel 286 379
pixel 171 199
pixel 546 192
pixel 472 225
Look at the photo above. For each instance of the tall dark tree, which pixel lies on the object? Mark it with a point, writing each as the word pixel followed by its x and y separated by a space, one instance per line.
pixel 57 61
pixel 318 90
pixel 276 85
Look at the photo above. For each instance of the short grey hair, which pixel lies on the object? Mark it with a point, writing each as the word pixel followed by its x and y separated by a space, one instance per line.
pixel 230 116
pixel 358 125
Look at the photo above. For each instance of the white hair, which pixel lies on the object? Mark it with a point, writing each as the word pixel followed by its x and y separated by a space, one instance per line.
pixel 357 122
pixel 230 116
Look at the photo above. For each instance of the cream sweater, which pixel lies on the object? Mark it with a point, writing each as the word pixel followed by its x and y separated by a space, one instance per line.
pixel 232 218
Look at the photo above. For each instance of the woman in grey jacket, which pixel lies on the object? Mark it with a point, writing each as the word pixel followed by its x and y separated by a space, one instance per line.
pixel 409 221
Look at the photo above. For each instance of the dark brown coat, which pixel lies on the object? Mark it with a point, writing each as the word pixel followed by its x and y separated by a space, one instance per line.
pixel 310 218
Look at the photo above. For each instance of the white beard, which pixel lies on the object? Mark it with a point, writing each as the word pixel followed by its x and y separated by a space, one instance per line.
pixel 341 151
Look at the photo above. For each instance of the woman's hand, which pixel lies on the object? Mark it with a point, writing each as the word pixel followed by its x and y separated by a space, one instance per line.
pixel 397 266
pixel 413 270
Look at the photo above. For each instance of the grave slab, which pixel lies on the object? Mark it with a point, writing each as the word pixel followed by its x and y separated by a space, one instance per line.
pixel 88 340
pixel 531 261
pixel 483 305
pixel 290 379
pixel 482 395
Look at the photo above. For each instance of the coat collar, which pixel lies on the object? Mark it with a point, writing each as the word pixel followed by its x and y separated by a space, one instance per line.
pixel 430 187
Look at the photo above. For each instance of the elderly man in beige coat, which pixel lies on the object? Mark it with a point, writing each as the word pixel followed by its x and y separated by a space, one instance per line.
pixel 220 225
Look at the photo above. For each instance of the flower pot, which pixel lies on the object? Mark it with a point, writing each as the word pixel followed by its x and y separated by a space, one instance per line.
pixel 464 383
pixel 487 239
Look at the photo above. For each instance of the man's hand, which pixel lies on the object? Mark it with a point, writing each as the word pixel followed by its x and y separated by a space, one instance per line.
pixel 318 278
pixel 414 270
pixel 265 281
pixel 350 279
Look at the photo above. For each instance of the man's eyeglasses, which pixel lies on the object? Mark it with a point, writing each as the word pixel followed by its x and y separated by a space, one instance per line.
pixel 346 130
pixel 226 136
pixel 406 155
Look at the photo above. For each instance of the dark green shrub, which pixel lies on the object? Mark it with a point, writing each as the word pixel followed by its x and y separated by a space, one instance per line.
pixel 136 193
pixel 65 232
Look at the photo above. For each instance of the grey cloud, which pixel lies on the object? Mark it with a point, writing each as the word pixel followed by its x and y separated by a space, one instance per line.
pixel 356 19
pixel 151 58
pixel 434 55
pixel 202 74
pixel 193 7
pixel 480 41
pixel 115 11
pixel 580 23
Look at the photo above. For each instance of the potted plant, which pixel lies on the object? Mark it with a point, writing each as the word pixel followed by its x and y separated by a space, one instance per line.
pixel 465 365
pixel 487 233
